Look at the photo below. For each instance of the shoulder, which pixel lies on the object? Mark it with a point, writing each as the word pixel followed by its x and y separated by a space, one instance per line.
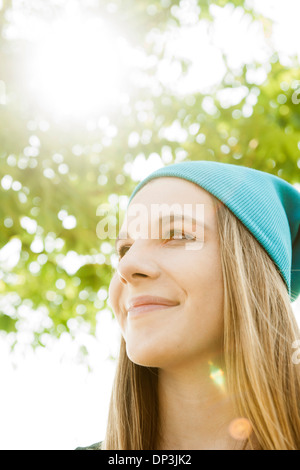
pixel 96 446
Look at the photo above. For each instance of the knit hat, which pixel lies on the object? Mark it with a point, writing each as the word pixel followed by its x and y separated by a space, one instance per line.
pixel 266 204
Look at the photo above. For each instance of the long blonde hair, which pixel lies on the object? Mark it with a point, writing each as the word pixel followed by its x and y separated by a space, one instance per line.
pixel 259 330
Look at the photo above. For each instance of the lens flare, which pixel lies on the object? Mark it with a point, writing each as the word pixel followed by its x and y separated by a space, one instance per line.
pixel 217 375
pixel 240 429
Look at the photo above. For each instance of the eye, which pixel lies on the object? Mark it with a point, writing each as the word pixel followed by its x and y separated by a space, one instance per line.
pixel 180 232
pixel 183 236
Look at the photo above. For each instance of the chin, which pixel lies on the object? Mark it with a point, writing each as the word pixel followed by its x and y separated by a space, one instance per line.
pixel 144 358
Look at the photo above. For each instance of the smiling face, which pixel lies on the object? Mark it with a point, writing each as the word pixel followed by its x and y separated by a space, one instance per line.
pixel 184 271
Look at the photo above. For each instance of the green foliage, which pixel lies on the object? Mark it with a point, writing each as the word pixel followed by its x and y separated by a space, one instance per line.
pixel 261 131
pixel 7 323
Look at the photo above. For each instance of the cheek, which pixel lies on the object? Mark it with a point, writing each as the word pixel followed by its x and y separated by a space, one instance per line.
pixel 202 281
pixel 114 293
pixel 208 322
pixel 205 271
pixel 205 298
pixel 112 290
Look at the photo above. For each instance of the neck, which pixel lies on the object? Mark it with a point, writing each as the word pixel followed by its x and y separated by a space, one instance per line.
pixel 195 408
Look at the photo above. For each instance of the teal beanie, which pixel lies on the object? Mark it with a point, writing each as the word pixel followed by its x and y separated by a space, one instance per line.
pixel 266 204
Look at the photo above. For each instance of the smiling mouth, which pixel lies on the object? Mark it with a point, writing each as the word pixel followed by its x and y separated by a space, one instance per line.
pixel 142 309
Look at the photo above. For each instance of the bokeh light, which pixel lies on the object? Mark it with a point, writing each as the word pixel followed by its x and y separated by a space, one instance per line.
pixel 240 429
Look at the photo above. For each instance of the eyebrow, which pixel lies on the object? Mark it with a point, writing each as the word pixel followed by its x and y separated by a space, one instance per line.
pixel 172 218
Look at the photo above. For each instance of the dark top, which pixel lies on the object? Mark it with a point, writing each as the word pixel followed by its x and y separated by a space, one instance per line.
pixel 96 446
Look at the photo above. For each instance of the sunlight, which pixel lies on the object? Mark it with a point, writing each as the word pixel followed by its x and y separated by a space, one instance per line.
pixel 217 376
pixel 76 68
pixel 285 16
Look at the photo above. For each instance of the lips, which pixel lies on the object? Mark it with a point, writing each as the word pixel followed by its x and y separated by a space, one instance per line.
pixel 150 300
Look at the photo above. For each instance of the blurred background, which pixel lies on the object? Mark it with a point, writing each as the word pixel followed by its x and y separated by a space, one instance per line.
pixel 95 95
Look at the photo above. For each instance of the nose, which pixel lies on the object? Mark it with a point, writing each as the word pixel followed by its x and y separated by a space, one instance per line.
pixel 137 263
pixel 122 280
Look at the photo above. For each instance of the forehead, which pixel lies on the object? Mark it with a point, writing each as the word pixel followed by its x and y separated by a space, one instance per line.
pixel 168 196
pixel 172 190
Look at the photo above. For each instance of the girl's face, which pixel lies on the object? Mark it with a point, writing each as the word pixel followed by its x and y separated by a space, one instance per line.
pixel 184 271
